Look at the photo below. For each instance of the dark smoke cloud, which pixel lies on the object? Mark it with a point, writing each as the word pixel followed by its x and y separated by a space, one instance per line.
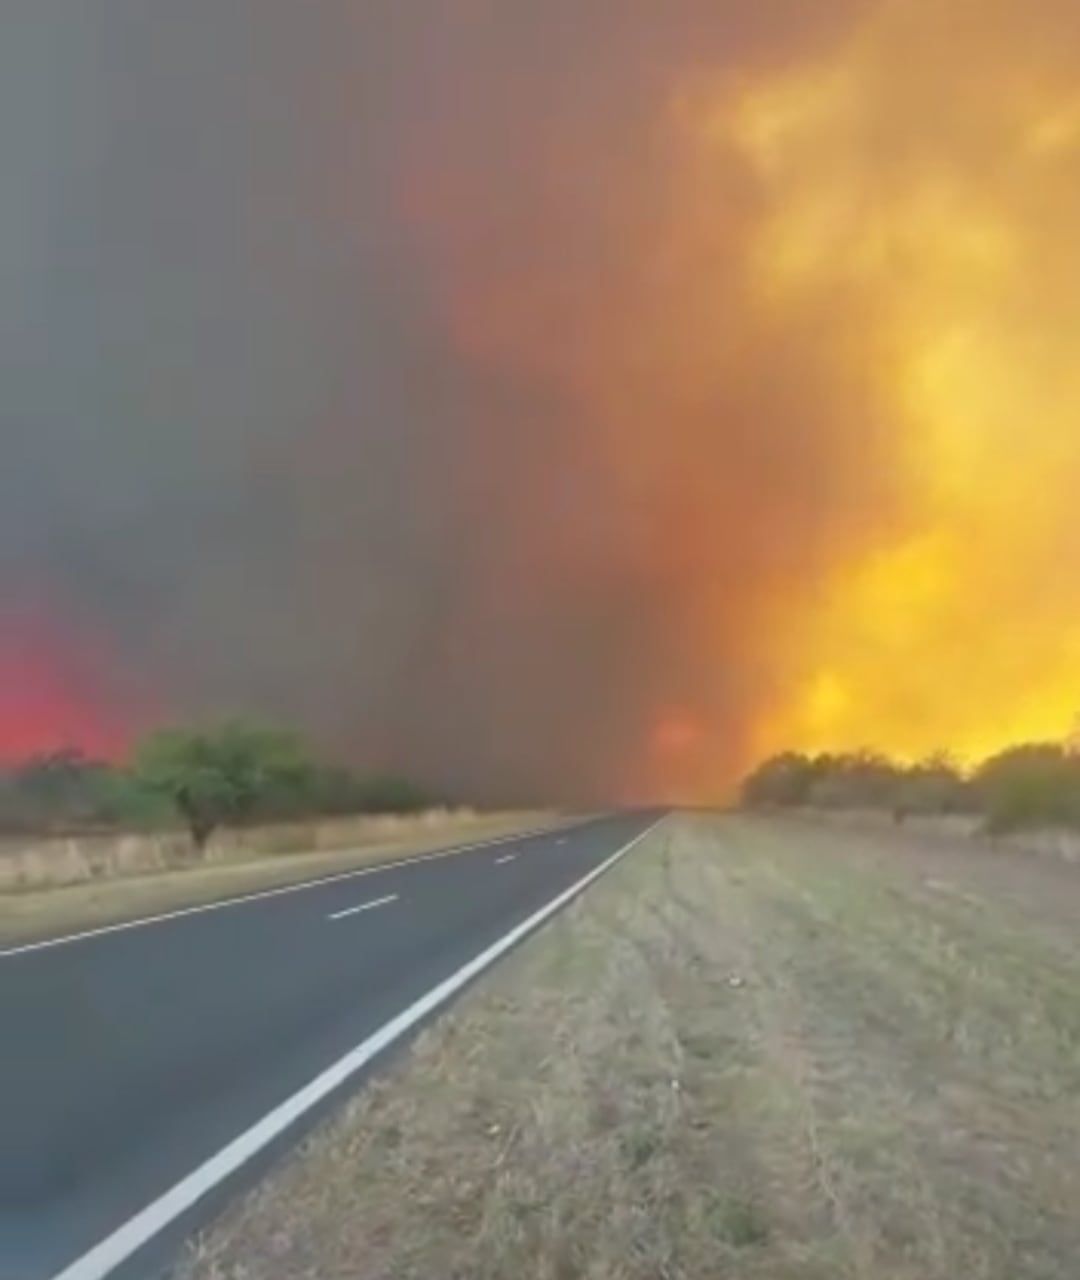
pixel 256 430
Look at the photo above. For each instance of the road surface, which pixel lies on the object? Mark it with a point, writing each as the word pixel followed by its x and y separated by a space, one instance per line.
pixel 146 1073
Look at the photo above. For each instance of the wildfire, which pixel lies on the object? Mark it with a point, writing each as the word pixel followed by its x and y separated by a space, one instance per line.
pixel 821 367
pixel 716 391
pixel 927 171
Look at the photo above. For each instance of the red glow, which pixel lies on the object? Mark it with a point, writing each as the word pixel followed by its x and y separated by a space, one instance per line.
pixel 51 697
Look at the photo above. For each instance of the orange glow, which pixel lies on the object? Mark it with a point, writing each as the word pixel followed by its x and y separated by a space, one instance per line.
pixel 676 735
pixel 826 356
pixel 942 194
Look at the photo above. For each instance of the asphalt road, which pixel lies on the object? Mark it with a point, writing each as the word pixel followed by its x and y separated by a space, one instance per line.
pixel 131 1060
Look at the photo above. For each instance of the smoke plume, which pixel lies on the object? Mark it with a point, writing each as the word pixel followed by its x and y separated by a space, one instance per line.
pixel 571 400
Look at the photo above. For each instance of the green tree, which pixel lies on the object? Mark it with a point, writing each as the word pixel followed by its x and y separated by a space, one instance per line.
pixel 227 775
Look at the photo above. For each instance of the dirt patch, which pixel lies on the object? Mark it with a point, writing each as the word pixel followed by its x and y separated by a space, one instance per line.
pixel 753 1051
pixel 45 900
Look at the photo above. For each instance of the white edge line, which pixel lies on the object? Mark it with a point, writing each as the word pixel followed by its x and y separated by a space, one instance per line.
pixel 118 1247
pixel 364 906
pixel 121 926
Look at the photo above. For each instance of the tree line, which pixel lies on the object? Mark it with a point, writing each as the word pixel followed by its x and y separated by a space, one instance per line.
pixel 230 774
pixel 1026 786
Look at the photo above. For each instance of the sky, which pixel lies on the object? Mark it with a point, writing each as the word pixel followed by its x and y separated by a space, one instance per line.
pixel 571 401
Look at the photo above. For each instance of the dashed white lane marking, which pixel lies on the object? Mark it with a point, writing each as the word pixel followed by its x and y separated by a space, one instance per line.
pixel 507 857
pixel 364 906
pixel 103 1258
pixel 224 904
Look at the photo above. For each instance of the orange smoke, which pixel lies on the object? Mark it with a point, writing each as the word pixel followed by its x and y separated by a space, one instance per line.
pixel 808 321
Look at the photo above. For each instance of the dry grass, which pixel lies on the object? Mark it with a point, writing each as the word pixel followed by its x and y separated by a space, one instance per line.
pixel 78 883
pixel 756 1050
pixel 1054 842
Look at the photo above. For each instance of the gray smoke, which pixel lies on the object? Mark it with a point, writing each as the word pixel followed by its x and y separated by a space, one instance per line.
pixel 239 441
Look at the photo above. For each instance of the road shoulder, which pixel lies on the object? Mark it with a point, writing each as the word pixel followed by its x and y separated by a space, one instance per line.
pixel 725 1057
pixel 28 916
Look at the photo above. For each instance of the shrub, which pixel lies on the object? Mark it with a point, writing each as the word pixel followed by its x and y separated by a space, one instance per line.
pixel 1037 785
pixel 1031 785
pixel 232 773
pixel 783 780
pixel 67 791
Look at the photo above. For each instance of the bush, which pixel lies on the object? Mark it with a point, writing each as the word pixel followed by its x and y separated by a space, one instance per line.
pixel 935 787
pixel 392 795
pixel 335 790
pixel 1037 785
pixel 67 791
pixel 859 781
pixel 785 780
pixel 1033 785
pixel 231 774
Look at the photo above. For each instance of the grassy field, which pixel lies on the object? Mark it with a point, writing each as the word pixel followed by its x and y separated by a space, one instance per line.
pixel 758 1049
pixel 120 877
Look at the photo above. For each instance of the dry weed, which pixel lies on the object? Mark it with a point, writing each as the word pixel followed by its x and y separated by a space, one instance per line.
pixel 730 1059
